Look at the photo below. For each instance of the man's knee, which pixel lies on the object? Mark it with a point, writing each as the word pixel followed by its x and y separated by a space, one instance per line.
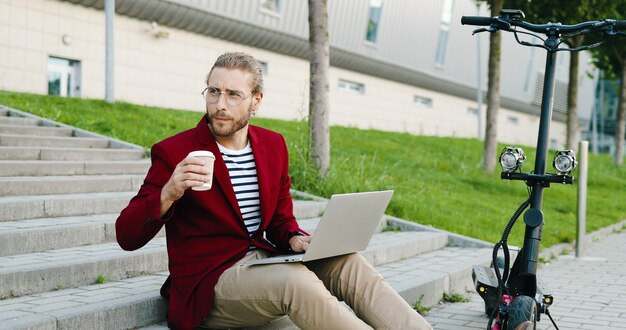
pixel 353 264
pixel 297 277
pixel 354 258
pixel 294 286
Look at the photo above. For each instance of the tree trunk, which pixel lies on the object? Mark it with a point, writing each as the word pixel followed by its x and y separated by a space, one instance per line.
pixel 493 95
pixel 621 119
pixel 573 127
pixel 318 93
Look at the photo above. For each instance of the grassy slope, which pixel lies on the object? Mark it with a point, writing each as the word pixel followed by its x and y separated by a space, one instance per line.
pixel 438 181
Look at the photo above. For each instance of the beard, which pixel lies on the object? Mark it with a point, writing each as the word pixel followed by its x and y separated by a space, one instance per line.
pixel 230 127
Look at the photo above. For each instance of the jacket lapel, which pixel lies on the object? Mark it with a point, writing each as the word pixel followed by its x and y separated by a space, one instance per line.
pixel 220 171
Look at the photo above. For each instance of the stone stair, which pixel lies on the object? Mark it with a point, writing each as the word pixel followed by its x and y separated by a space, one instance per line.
pixel 61 189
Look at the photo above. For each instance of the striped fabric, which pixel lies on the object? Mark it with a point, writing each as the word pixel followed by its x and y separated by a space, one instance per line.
pixel 243 176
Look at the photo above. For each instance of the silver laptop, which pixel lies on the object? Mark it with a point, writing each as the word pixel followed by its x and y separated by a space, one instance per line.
pixel 348 224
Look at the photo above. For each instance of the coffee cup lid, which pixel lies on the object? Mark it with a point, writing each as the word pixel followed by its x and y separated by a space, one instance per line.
pixel 201 153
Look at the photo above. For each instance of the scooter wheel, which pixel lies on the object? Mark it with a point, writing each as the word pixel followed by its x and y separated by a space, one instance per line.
pixel 522 314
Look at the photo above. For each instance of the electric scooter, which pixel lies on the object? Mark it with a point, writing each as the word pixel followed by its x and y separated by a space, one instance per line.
pixel 515 297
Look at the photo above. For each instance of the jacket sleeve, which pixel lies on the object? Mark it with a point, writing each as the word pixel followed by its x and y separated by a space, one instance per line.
pixel 139 222
pixel 283 221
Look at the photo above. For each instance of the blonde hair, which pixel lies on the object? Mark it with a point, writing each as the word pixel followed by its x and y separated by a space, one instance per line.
pixel 244 62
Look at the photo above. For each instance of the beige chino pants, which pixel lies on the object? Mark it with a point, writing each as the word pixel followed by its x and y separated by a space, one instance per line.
pixel 309 293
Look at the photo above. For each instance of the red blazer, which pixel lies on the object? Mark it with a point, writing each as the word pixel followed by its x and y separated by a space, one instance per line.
pixel 205 230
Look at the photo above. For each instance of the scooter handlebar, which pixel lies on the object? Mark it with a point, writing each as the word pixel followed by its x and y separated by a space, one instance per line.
pixel 476 20
pixel 505 23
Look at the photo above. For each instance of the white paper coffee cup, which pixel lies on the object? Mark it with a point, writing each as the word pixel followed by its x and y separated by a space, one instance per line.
pixel 209 159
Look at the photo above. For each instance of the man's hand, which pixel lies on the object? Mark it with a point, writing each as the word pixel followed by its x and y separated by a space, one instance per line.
pixel 299 243
pixel 190 172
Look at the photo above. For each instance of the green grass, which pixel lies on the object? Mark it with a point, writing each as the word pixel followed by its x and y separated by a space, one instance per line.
pixel 125 121
pixel 101 279
pixel 438 181
pixel 454 297
pixel 419 307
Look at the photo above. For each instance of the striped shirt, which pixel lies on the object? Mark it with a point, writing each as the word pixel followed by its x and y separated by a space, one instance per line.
pixel 243 176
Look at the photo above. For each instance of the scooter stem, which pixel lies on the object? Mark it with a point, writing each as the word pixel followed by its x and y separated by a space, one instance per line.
pixel 534 216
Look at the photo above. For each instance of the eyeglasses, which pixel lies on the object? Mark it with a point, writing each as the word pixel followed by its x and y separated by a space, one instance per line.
pixel 233 98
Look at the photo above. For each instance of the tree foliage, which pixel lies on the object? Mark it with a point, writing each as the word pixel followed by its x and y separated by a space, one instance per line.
pixel 611 58
pixel 567 12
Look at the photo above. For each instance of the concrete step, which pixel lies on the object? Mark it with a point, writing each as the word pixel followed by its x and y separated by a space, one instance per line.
pixel 74 184
pixel 23 121
pixel 388 247
pixel 433 273
pixel 52 153
pixel 38 235
pixel 14 208
pixel 4 112
pixel 124 304
pixel 35 130
pixel 17 140
pixel 72 267
pixel 135 303
pixel 309 209
pixel 56 167
pixel 32 273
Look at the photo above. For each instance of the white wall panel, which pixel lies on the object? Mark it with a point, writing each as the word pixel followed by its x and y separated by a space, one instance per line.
pixel 170 72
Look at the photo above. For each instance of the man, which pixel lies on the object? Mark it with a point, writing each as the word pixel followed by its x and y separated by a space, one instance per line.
pixel 211 233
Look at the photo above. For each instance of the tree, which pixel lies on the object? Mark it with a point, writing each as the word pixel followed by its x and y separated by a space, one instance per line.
pixel 620 131
pixel 621 114
pixel 566 12
pixel 611 58
pixel 318 92
pixel 493 92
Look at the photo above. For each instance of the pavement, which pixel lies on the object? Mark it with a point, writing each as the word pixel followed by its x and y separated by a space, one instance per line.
pixel 589 291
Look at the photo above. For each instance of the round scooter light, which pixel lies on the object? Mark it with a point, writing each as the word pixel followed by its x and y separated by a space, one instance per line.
pixel 564 162
pixel 512 159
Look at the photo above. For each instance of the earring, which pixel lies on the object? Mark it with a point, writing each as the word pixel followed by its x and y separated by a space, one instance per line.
pixel 253 112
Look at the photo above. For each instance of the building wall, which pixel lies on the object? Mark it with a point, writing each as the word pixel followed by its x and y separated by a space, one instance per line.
pixel 170 72
pixel 408 36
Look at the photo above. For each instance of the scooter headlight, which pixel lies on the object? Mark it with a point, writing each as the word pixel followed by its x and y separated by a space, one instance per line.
pixel 511 159
pixel 564 162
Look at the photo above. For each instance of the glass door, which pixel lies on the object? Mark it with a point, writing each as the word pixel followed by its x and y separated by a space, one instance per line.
pixel 63 77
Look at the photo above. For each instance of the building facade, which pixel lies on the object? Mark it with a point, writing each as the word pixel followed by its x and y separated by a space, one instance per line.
pixel 603 123
pixel 396 65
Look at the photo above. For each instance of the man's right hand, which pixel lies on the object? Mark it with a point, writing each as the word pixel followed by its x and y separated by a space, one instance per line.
pixel 299 243
pixel 190 172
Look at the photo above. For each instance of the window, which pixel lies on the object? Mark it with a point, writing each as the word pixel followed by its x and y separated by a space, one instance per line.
pixel 472 111
pixel 512 120
pixel 270 6
pixel 373 20
pixel 264 68
pixel 63 77
pixel 351 86
pixel 446 18
pixel 529 67
pixel 554 144
pixel 424 102
pixel 611 109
